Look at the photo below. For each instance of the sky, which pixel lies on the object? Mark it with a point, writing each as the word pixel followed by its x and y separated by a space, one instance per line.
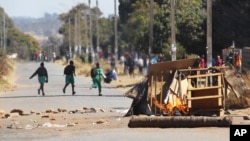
pixel 37 8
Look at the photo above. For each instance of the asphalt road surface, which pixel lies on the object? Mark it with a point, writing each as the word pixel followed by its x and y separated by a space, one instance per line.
pixel 25 97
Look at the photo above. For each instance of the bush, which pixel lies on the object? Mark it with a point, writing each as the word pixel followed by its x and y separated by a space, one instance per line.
pixel 2 53
pixel 233 102
pixel 6 73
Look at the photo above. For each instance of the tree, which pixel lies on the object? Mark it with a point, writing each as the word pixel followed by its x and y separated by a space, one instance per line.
pixel 189 24
pixel 230 23
pixel 84 11
pixel 18 42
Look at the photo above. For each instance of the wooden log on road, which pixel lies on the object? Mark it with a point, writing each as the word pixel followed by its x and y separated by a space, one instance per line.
pixel 179 121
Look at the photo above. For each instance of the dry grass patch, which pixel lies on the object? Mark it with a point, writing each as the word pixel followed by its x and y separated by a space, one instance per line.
pixel 83 69
pixel 7 77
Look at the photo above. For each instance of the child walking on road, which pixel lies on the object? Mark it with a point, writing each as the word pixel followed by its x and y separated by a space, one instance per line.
pixel 42 77
pixel 96 74
pixel 69 71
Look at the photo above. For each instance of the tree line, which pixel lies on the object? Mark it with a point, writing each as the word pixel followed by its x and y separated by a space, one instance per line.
pixel 85 30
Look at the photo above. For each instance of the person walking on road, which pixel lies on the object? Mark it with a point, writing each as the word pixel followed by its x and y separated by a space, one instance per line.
pixel 97 74
pixel 69 72
pixel 237 62
pixel 202 62
pixel 42 77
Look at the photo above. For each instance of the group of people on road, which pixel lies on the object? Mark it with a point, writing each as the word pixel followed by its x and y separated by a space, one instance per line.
pixel 69 72
pixel 215 62
pixel 234 59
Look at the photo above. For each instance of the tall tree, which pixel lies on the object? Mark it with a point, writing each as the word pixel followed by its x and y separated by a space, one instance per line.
pixel 17 41
pixel 230 24
pixel 189 25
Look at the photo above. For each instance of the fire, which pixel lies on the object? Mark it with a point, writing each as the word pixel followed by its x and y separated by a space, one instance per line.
pixel 170 108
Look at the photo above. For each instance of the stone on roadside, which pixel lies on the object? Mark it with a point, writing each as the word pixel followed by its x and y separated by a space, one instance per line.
pixel 7 115
pixel 45 116
pixel 85 108
pixel 19 111
pixel 53 118
pixel 55 112
pixel 64 110
pixel 81 111
pixel 102 110
pixel 93 110
pixel 59 109
pixel 49 111
pixel 112 111
pixel 100 121
pixel 32 112
pixel 72 112
pixel 2 112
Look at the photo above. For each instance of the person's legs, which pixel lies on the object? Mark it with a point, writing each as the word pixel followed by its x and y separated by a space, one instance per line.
pixel 67 82
pixel 99 87
pixel 73 89
pixel 94 85
pixel 41 80
pixel 41 88
pixel 132 72
pixel 72 81
pixel 65 86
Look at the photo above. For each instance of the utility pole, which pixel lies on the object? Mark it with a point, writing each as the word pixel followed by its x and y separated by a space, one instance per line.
pixel 173 40
pixel 86 33
pixel 209 33
pixel 75 48
pixel 90 32
pixel 151 28
pixel 79 34
pixel 3 33
pixel 116 50
pixel 70 53
pixel 97 30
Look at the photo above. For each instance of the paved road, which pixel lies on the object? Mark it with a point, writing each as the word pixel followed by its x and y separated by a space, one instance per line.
pixel 25 97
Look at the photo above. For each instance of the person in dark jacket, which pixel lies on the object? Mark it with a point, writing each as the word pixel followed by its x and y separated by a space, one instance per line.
pixel 69 72
pixel 42 77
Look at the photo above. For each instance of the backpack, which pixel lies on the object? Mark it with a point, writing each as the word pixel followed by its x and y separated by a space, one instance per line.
pixel 67 70
pixel 93 72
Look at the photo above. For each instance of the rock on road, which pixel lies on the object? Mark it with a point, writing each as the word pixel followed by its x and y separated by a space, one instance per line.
pixel 25 97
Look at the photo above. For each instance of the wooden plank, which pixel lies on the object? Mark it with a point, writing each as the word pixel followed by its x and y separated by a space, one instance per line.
pixel 211 87
pixel 204 97
pixel 174 65
pixel 188 98
pixel 203 75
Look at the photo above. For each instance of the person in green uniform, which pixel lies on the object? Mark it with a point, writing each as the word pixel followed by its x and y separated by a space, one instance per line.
pixel 97 74
pixel 42 77
pixel 69 72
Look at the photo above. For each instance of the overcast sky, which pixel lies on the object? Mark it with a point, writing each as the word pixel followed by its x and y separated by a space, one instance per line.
pixel 37 8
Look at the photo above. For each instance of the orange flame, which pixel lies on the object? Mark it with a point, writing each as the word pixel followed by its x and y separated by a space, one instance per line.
pixel 169 108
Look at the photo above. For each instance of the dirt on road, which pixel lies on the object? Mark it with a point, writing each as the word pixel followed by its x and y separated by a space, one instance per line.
pixel 65 121
pixel 57 121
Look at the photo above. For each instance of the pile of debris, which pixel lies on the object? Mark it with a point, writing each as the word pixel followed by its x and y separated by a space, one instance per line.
pixel 180 88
